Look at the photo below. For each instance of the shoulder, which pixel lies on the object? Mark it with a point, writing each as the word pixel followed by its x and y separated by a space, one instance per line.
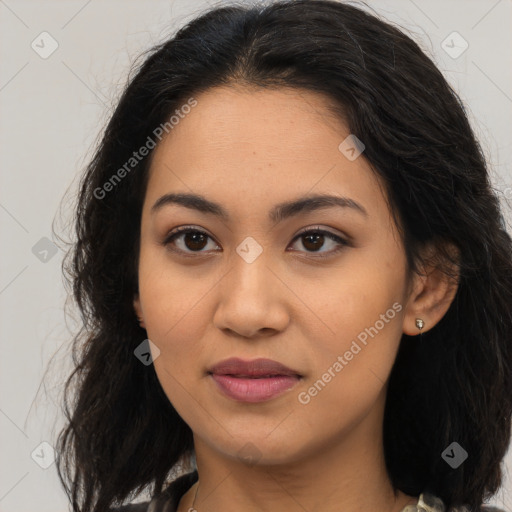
pixel 483 508
pixel 428 502
pixel 167 500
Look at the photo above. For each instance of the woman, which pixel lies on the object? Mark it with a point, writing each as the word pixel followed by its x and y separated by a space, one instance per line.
pixel 295 282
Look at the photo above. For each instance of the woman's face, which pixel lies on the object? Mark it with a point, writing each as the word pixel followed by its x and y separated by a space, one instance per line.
pixel 250 287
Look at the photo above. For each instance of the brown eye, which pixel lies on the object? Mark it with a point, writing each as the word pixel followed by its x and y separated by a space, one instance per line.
pixel 194 240
pixel 190 240
pixel 315 239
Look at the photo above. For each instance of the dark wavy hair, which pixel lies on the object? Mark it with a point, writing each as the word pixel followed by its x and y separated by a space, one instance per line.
pixel 122 434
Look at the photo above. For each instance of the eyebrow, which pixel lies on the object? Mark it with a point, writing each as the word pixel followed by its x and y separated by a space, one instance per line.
pixel 277 214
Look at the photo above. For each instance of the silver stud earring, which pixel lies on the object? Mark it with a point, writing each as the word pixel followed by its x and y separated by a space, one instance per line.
pixel 419 323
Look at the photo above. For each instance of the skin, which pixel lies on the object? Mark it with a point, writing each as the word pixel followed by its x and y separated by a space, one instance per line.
pixel 249 150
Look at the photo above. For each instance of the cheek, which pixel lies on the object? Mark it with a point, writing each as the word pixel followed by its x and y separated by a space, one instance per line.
pixel 362 304
pixel 361 296
pixel 350 374
pixel 175 308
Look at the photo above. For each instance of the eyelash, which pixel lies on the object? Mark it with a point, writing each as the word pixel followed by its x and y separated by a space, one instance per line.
pixel 316 230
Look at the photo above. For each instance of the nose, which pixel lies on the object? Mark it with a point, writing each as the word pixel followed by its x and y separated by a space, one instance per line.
pixel 253 301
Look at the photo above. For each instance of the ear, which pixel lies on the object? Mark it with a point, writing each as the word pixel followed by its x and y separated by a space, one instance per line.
pixel 138 310
pixel 432 291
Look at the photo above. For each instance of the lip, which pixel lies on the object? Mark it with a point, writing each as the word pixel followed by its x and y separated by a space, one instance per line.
pixel 257 380
pixel 252 368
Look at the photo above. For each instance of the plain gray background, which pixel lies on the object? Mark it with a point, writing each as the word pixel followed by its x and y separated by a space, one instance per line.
pixel 53 109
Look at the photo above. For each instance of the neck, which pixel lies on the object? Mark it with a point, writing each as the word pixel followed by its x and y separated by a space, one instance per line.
pixel 347 474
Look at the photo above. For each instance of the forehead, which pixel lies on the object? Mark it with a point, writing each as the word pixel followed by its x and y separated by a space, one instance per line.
pixel 259 146
pixel 277 121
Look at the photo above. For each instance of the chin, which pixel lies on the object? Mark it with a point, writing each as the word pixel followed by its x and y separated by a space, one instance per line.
pixel 257 450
